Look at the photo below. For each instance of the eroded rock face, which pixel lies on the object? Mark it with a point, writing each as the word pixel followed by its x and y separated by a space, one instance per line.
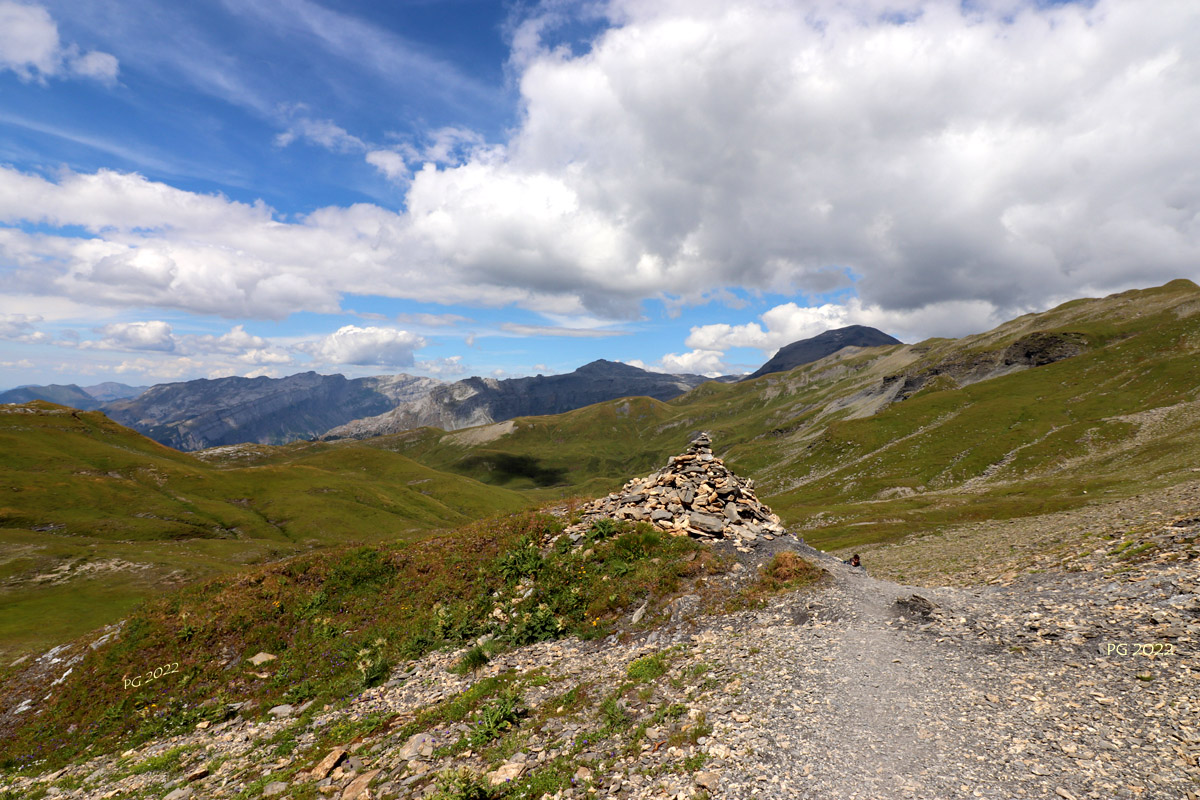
pixel 694 495
pixel 1034 350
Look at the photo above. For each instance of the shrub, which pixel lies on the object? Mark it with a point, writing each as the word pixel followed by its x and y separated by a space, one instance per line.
pixel 612 710
pixel 647 668
pixel 522 561
pixel 461 784
pixel 372 664
pixel 639 543
pixel 493 719
pixel 538 625
pixel 787 570
pixel 475 659
pixel 602 529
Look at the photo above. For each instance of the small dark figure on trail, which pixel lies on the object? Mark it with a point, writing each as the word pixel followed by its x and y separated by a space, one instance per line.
pixel 853 561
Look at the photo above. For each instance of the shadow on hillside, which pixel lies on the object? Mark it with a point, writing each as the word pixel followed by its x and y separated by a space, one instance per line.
pixel 502 468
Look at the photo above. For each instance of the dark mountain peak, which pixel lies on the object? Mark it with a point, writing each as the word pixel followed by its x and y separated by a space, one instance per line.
pixel 603 366
pixel 824 344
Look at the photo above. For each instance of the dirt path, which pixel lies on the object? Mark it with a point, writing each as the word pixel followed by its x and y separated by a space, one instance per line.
pixel 870 699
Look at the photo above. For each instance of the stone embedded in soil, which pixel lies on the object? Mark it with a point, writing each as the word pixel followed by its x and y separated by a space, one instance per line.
pixel 357 790
pixel 506 773
pixel 322 770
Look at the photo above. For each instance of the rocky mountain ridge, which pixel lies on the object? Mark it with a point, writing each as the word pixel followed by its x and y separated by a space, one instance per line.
pixel 193 415
pixel 199 414
pixel 481 401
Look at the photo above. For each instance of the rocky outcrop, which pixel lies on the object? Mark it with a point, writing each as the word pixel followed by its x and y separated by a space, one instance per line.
pixel 695 495
pixel 208 413
pixel 806 351
pixel 1034 350
pixel 481 401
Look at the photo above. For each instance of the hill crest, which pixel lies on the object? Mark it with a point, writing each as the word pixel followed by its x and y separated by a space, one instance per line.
pixel 824 344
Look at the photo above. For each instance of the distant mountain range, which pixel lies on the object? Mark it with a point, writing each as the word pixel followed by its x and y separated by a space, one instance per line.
pixel 194 415
pixel 197 414
pixel 85 398
pixel 478 401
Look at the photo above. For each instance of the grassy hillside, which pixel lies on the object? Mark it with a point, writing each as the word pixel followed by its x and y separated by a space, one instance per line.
pixel 875 444
pixel 94 517
pixel 336 621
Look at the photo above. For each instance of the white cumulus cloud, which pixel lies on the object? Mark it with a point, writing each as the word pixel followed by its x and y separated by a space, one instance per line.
pixel 696 362
pixel 439 367
pixel 371 346
pixel 930 154
pixel 151 335
pixel 391 163
pixel 791 322
pixel 20 327
pixel 30 46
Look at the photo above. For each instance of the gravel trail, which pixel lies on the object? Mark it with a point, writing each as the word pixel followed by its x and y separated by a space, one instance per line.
pixel 953 695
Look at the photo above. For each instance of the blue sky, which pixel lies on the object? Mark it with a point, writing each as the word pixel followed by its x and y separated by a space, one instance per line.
pixel 456 187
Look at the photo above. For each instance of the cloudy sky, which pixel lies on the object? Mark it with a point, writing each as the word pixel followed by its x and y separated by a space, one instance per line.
pixel 454 187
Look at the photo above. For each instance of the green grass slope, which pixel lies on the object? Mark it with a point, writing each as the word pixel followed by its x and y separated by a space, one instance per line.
pixel 336 621
pixel 1049 411
pixel 94 517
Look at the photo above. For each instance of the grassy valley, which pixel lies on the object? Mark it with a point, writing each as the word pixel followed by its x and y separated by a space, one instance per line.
pixel 94 517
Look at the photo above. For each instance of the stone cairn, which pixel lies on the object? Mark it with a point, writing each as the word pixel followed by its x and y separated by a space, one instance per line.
pixel 694 495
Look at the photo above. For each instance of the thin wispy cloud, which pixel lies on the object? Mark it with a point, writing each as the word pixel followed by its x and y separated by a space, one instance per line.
pixel 132 155
pixel 390 56
pixel 553 330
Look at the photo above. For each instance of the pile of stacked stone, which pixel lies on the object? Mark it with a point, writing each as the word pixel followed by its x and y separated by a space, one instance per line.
pixel 695 494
